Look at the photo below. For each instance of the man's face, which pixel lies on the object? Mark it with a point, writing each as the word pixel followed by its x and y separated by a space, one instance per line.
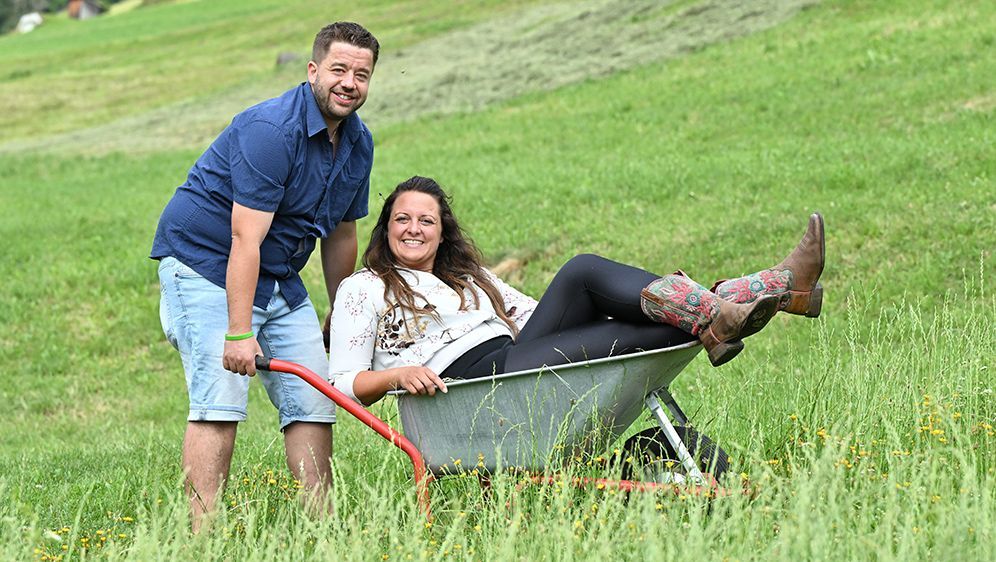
pixel 340 81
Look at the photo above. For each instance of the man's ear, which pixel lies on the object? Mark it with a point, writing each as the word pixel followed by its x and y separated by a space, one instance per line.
pixel 312 72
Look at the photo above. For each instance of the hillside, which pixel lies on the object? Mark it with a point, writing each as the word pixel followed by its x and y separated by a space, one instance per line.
pixel 192 94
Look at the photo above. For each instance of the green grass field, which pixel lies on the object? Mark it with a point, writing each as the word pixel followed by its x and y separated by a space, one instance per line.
pixel 868 433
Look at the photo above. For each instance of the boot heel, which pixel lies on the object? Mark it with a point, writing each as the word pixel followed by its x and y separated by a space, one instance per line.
pixel 763 310
pixel 815 301
pixel 721 351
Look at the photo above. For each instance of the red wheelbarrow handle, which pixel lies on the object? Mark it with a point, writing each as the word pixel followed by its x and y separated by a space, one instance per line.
pixel 359 412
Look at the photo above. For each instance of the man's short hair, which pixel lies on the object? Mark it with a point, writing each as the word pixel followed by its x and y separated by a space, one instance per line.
pixel 343 32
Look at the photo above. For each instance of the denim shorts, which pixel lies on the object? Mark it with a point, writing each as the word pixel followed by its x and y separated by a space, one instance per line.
pixel 194 316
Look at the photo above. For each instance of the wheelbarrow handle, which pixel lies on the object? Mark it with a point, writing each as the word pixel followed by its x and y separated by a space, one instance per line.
pixel 381 427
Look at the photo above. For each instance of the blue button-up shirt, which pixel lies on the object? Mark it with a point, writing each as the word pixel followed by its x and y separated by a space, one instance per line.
pixel 274 157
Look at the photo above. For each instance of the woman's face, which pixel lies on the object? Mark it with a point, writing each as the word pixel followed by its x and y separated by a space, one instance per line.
pixel 415 230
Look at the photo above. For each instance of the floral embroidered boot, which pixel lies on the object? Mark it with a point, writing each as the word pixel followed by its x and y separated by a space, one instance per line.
pixel 720 325
pixel 795 281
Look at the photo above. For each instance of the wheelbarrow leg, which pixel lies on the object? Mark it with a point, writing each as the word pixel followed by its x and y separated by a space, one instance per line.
pixel 653 402
pixel 664 396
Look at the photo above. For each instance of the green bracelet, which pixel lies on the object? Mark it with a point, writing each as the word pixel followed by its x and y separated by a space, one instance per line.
pixel 239 337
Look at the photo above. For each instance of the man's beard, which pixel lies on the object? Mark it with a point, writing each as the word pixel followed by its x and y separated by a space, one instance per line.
pixel 326 107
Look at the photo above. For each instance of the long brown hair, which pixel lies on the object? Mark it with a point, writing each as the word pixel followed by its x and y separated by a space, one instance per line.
pixel 456 259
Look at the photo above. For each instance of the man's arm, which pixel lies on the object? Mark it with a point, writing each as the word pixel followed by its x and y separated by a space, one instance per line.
pixel 338 261
pixel 249 227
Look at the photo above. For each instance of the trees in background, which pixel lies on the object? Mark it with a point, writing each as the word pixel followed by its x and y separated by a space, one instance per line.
pixel 12 10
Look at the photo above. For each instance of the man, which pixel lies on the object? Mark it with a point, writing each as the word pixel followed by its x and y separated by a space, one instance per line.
pixel 231 243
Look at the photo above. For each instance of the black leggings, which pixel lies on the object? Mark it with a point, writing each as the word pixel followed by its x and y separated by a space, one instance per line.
pixel 572 322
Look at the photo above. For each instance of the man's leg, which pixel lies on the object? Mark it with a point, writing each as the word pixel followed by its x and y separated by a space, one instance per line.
pixel 306 415
pixel 309 457
pixel 194 315
pixel 207 458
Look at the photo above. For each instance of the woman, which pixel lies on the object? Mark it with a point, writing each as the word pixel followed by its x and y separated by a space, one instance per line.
pixel 424 307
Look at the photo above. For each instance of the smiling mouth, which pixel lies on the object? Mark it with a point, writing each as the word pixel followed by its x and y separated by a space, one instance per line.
pixel 344 98
pixel 412 243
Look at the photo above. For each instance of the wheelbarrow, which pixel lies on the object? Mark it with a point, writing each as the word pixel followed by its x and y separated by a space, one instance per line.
pixel 534 419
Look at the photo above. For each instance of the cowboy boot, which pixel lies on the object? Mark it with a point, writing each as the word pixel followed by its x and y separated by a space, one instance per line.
pixel 720 325
pixel 795 281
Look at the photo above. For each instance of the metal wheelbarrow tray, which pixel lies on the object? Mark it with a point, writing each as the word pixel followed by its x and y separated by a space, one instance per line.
pixel 522 420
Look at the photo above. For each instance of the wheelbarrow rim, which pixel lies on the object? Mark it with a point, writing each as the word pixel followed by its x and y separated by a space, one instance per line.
pixel 553 368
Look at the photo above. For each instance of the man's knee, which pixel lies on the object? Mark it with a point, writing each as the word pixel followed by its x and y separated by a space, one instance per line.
pixel 307 439
pixel 213 435
pixel 306 433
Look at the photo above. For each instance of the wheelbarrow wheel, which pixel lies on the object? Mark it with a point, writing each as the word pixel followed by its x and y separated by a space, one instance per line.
pixel 654 460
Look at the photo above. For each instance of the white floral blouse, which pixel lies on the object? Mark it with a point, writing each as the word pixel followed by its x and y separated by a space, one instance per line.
pixel 368 333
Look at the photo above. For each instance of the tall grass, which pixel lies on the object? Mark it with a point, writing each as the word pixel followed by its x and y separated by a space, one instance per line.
pixel 892 473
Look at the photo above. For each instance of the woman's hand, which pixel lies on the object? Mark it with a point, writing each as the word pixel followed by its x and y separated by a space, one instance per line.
pixel 371 386
pixel 417 380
